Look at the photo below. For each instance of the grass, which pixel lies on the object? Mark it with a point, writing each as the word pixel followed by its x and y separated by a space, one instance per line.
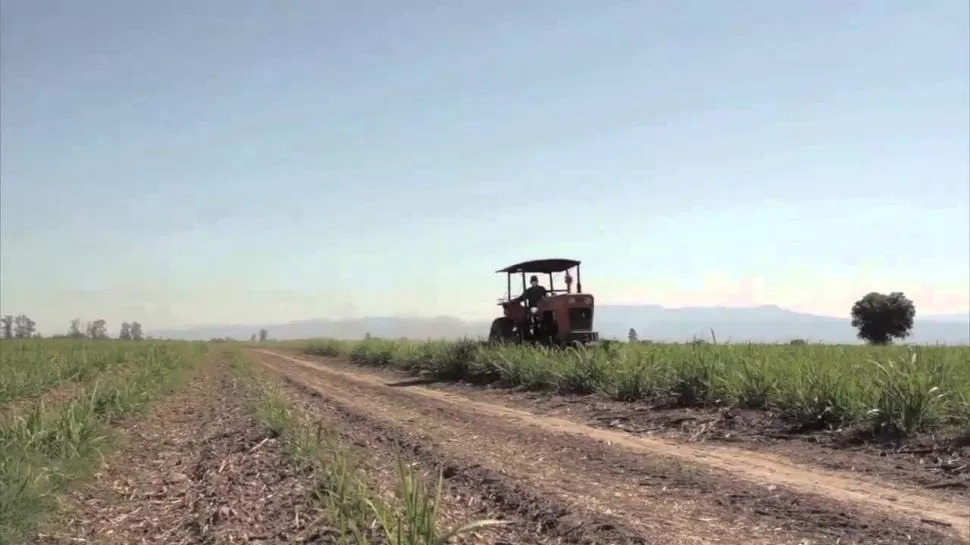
pixel 30 367
pixel 357 513
pixel 893 391
pixel 46 448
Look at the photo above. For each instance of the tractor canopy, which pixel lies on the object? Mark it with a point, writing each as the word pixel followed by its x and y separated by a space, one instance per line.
pixel 547 267
pixel 541 266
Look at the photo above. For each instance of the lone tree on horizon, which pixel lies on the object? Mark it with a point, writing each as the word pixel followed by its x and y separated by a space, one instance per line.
pixel 136 333
pixel 97 329
pixel 24 327
pixel 880 318
pixel 75 331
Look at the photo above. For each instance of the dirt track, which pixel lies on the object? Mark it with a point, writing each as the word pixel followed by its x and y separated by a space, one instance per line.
pixel 588 484
pixel 193 470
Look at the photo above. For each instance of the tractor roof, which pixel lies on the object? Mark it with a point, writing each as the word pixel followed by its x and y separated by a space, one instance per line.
pixel 541 266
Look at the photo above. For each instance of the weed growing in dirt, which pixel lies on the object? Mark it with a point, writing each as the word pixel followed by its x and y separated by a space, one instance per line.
pixel 894 390
pixel 47 447
pixel 356 514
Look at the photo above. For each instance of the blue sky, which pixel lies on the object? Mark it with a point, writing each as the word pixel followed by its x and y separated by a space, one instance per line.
pixel 247 161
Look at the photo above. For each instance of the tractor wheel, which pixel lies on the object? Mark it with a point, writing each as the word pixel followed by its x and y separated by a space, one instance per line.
pixel 502 331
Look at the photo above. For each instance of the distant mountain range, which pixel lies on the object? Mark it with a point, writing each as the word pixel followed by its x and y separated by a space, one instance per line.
pixel 759 324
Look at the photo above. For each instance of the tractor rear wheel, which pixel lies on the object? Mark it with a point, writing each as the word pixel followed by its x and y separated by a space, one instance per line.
pixel 502 331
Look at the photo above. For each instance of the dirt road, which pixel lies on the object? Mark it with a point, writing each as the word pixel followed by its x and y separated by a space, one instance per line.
pixel 619 488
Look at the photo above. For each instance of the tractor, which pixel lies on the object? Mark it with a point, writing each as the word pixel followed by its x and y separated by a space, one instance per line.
pixel 561 318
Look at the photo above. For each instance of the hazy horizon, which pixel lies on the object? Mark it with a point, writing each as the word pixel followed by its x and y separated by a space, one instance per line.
pixel 247 162
pixel 152 329
pixel 750 324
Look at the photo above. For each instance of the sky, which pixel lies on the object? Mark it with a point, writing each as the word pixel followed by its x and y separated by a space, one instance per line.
pixel 243 161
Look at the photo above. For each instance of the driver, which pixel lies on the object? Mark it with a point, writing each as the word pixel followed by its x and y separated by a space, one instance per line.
pixel 533 293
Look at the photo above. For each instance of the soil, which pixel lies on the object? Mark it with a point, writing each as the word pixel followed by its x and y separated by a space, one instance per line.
pixel 938 465
pixel 583 480
pixel 469 493
pixel 194 470
pixel 927 462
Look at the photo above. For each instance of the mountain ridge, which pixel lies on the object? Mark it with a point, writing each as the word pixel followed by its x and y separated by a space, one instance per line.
pixel 765 323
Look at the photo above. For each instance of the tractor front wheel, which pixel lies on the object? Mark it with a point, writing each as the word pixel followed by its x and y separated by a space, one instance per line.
pixel 502 331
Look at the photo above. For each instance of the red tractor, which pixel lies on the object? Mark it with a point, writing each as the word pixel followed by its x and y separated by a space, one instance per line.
pixel 561 318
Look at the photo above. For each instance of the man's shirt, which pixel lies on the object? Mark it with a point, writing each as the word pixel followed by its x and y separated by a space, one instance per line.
pixel 533 294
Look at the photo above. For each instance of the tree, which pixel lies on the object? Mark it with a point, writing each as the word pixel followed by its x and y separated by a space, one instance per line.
pixel 74 331
pixel 263 335
pixel 632 336
pixel 252 338
pixel 6 323
pixel 880 318
pixel 23 327
pixel 97 329
pixel 136 333
pixel 125 333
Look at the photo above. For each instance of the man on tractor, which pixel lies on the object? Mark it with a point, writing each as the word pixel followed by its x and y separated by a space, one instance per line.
pixel 533 294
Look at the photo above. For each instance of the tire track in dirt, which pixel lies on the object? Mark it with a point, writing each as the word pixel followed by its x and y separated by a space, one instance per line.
pixel 681 493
